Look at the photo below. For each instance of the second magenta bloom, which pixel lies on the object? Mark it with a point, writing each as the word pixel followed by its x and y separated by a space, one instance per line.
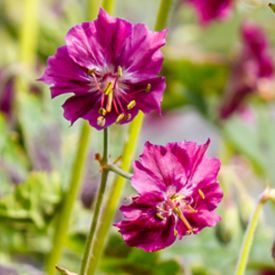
pixel 177 195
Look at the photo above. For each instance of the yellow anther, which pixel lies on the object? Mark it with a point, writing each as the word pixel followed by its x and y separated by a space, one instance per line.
pixel 131 104
pixel 119 71
pixel 176 233
pixel 91 71
pixel 120 117
pixel 159 216
pixel 102 111
pixel 201 194
pixel 148 88
pixel 100 121
pixel 108 89
pixel 191 208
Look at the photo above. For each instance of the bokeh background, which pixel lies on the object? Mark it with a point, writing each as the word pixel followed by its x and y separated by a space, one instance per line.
pixel 37 144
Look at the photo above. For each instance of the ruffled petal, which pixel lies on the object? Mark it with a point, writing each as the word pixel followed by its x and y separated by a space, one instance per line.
pixel 140 204
pixel 141 53
pixel 202 219
pixel 148 233
pixel 156 170
pixel 64 75
pixel 80 105
pixel 148 101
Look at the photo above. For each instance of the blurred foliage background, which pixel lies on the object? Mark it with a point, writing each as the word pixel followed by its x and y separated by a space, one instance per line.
pixel 37 144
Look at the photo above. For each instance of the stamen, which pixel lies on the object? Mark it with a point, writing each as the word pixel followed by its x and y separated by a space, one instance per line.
pixel 108 89
pixel 119 103
pixel 131 104
pixel 101 121
pixel 176 233
pixel 129 116
pixel 95 80
pixel 201 194
pixel 183 219
pixel 115 105
pixel 119 118
pixel 119 71
pixel 148 88
pixel 102 111
pixel 91 71
pixel 191 208
pixel 160 216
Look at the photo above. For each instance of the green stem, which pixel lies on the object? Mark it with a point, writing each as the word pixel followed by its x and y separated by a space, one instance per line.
pixel 27 54
pixel 119 171
pixel 163 14
pixel 71 195
pixel 109 5
pixel 98 202
pixel 114 195
pixel 92 9
pixel 268 194
pixel 29 33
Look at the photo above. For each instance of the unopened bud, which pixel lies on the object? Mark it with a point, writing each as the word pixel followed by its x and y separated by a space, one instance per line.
pixel 229 226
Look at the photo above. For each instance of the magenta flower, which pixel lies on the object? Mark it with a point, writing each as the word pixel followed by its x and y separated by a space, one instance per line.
pixel 254 63
pixel 111 66
pixel 209 10
pixel 177 194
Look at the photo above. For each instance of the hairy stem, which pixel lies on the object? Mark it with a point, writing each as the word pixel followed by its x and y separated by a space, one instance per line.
pixel 268 194
pixel 71 195
pixel 114 195
pixel 98 203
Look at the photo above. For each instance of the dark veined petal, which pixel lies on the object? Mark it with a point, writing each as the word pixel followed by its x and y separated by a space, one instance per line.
pixel 64 75
pixel 156 169
pixel 148 233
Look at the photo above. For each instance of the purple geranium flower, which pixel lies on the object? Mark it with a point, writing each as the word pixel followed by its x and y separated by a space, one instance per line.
pixel 112 68
pixel 254 63
pixel 177 194
pixel 209 10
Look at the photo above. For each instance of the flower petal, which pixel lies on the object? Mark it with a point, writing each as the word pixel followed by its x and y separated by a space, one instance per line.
pixel 64 75
pixel 147 233
pixel 156 170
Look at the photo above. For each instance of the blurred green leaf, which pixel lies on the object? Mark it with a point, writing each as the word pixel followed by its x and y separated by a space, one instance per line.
pixel 33 201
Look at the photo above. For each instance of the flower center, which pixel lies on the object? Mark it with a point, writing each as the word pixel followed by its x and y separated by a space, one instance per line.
pixel 176 205
pixel 112 89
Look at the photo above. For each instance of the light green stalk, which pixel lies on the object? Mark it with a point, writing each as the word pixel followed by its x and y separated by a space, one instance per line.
pixel 268 194
pixel 29 33
pixel 92 9
pixel 109 5
pixel 129 150
pixel 27 46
